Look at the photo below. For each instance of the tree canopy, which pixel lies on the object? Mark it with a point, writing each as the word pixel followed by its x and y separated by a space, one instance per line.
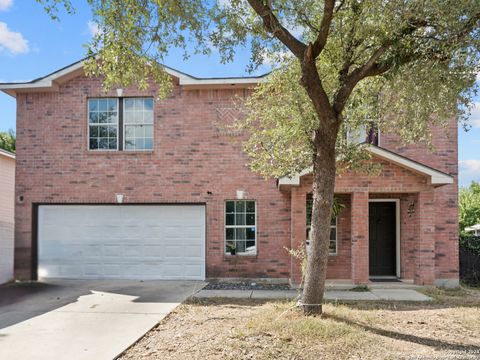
pixel 407 65
pixel 469 206
pixel 7 140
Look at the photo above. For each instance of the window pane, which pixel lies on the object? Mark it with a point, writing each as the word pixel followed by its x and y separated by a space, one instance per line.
pixel 103 105
pixel 148 144
pixel 129 144
pixel 93 131
pixel 240 206
pixel 103 131
pixel 332 249
pixel 139 132
pixel 129 131
pixel 93 104
pixel 250 245
pixel 148 117
pixel 93 144
pixel 250 233
pixel 230 219
pixel 240 219
pixel 102 117
pixel 112 105
pixel 128 117
pixel 240 233
pixel 138 104
pixel 103 143
pixel 230 206
pixel 148 131
pixel 93 117
pixel 251 206
pixel 112 131
pixel 250 219
pixel 333 222
pixel 112 143
pixel 333 234
pixel 139 144
pixel 230 234
pixel 138 117
pixel 112 117
pixel 148 104
pixel 240 246
pixel 128 104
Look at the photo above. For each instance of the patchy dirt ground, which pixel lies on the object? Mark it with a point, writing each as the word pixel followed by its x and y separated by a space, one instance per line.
pixel 448 328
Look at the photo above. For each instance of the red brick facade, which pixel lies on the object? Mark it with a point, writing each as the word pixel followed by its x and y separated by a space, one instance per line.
pixel 197 160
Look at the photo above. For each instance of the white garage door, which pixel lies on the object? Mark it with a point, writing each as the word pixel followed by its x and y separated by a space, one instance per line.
pixel 121 241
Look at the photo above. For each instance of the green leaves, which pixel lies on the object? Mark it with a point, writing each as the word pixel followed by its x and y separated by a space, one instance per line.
pixel 7 140
pixel 408 66
pixel 469 206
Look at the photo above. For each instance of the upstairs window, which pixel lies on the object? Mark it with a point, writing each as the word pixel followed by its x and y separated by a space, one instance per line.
pixel 332 248
pixel 120 124
pixel 103 124
pixel 365 133
pixel 138 119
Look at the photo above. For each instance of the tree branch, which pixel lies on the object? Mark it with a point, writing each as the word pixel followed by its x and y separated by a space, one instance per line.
pixel 273 25
pixel 322 37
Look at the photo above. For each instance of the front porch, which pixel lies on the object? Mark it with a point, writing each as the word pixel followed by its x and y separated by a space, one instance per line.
pixel 386 229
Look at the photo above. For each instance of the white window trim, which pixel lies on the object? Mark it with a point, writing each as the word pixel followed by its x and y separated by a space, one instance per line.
pixel 104 124
pixel 239 226
pixel 397 231
pixel 133 124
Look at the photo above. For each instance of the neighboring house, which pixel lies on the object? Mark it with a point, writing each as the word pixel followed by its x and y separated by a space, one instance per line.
pixel 474 229
pixel 7 214
pixel 122 185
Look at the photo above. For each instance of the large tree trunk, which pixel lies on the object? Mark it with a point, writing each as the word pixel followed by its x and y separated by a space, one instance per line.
pixel 323 189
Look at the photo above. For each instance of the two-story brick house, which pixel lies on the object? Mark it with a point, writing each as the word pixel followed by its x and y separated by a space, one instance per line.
pixel 122 185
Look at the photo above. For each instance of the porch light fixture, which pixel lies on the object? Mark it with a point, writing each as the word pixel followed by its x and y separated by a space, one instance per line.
pixel 240 194
pixel 119 92
pixel 119 198
pixel 411 209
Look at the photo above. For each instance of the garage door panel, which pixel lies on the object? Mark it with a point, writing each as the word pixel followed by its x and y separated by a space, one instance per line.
pixel 134 241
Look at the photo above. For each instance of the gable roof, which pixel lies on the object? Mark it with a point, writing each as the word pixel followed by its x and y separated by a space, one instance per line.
pixel 7 154
pixel 437 177
pixel 51 81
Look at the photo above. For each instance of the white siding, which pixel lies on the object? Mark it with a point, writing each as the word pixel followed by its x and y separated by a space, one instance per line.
pixel 7 199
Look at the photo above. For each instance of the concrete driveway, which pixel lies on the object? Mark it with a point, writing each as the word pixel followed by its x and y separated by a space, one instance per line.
pixel 83 319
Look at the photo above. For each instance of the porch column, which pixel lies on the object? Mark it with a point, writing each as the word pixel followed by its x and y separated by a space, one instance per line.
pixel 360 262
pixel 298 218
pixel 425 251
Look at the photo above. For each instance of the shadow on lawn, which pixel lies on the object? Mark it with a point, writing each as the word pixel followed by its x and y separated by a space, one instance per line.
pixel 437 344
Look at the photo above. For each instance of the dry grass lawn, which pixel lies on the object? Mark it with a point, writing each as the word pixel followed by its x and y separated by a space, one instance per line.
pixel 447 328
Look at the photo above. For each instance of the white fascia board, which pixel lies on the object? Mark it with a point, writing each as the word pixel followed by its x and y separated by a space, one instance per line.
pixel 7 154
pixel 436 177
pixel 184 79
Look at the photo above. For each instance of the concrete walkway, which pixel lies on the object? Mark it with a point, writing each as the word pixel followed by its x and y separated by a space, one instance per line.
pixel 81 319
pixel 373 294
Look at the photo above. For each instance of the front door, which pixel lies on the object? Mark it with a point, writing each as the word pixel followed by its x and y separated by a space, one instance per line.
pixel 382 238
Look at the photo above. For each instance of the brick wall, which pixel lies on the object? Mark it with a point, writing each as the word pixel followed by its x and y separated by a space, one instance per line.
pixel 197 159
pixel 193 157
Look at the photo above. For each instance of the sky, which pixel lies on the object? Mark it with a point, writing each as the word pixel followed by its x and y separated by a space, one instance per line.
pixel 33 45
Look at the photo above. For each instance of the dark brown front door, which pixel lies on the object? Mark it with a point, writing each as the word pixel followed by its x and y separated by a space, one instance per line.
pixel 382 236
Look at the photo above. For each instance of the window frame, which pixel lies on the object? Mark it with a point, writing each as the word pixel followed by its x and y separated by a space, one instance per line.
pixel 225 227
pixel 120 124
pixel 124 124
pixel 308 229
pixel 103 124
